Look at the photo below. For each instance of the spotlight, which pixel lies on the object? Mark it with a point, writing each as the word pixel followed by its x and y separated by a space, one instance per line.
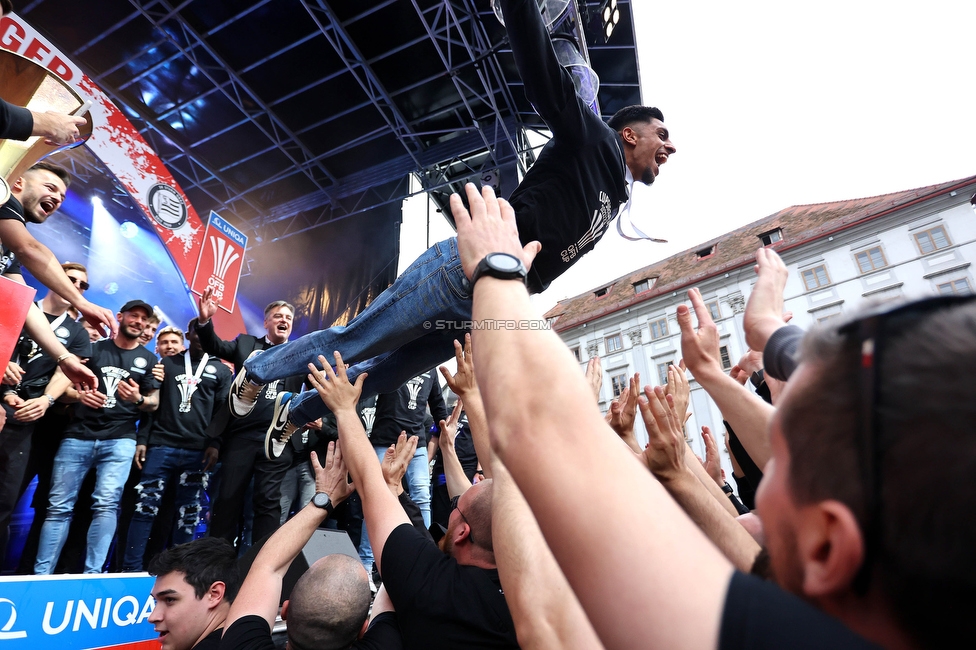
pixel 96 200
pixel 610 15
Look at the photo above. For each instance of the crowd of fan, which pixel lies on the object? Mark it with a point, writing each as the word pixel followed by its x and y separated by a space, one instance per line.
pixel 576 536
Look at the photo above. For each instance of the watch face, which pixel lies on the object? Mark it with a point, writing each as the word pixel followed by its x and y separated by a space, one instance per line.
pixel 321 499
pixel 504 261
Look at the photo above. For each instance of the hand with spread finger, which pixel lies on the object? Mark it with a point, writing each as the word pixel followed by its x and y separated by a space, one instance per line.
pixel 679 388
pixel 333 385
pixel 665 450
pixel 594 376
pixel 333 477
pixel 397 459
pixel 764 309
pixel 463 383
pixel 699 346
pixel 207 307
pixel 623 413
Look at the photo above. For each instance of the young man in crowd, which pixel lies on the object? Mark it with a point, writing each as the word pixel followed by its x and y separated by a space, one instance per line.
pixel 328 606
pixel 173 448
pixel 101 436
pixel 170 341
pixel 242 441
pixel 195 585
pixel 150 331
pixel 34 385
pixel 406 410
pixel 566 201
pixel 449 599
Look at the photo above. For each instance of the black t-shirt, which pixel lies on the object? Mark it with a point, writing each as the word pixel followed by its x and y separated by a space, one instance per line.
pixel 16 122
pixel 117 419
pixel 12 209
pixel 406 409
pixel 39 367
pixel 211 641
pixel 253 633
pixel 182 421
pixel 758 615
pixel 440 603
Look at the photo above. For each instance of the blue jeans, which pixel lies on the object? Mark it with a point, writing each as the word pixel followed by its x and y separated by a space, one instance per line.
pixel 161 464
pixel 418 487
pixel 395 338
pixel 297 488
pixel 112 460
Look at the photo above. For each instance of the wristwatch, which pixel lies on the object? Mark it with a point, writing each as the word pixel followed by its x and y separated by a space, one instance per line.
pixel 142 400
pixel 500 265
pixel 322 500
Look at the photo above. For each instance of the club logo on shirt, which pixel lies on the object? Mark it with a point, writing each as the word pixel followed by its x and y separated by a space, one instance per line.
pixel 139 362
pixel 598 226
pixel 369 417
pixel 62 332
pixel 112 376
pixel 413 387
pixel 210 370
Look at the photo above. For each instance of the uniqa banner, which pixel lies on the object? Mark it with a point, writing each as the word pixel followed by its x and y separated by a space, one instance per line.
pixel 75 611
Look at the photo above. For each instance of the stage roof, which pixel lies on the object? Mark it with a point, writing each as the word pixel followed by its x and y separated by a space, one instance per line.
pixel 284 115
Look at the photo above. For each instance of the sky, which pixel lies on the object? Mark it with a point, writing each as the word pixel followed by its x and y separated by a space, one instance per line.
pixel 773 104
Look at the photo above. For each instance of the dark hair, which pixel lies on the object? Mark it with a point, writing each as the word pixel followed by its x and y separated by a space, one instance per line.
pixel 6 6
pixel 924 565
pixel 329 604
pixel 279 303
pixel 632 115
pixel 57 170
pixel 202 562
pixel 74 266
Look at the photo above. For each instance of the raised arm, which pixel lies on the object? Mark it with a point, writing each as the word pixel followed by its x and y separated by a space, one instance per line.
pixel 74 368
pixel 261 591
pixel 743 409
pixel 464 384
pixel 457 480
pixel 544 608
pixel 381 510
pixel 667 456
pixel 542 417
pixel 42 263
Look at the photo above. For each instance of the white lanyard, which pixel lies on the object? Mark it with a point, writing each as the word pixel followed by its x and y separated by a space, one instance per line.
pixel 191 380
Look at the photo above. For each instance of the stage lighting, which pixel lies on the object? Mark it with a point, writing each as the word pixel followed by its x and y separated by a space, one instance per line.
pixel 128 229
pixel 610 15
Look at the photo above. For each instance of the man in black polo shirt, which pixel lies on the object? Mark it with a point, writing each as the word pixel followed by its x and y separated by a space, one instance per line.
pixel 102 436
pixel 451 600
pixel 37 386
pixel 173 447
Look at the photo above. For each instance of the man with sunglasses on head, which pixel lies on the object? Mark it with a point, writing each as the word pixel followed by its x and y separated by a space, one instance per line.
pixel 32 383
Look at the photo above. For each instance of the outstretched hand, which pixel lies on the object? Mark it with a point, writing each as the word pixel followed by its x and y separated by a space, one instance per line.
pixel 623 413
pixel 679 388
pixel 396 460
pixel 489 228
pixel 665 450
pixel 463 383
pixel 712 462
pixel 449 428
pixel 699 347
pixel 594 376
pixel 333 477
pixel 764 309
pixel 207 306
pixel 333 385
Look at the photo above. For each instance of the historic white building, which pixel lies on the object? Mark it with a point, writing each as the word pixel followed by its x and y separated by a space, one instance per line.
pixel 912 243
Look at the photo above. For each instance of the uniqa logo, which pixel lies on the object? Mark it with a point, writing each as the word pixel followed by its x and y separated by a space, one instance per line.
pixel 125 612
pixel 7 632
pixel 224 256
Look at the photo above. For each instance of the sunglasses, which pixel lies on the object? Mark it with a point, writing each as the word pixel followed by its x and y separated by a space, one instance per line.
pixel 872 332
pixel 454 506
pixel 78 282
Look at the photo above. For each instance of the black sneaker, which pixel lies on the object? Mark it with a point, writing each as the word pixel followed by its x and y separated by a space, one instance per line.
pixel 281 429
pixel 243 393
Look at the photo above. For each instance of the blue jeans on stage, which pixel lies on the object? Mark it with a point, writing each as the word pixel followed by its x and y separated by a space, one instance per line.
pixel 161 464
pixel 112 460
pixel 408 329
pixel 418 487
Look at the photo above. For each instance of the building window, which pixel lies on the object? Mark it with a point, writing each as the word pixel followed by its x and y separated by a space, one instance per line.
pixel 956 286
pixel 602 291
pixel 871 259
pixel 705 252
pixel 659 328
pixel 714 310
pixel 576 353
pixel 619 384
pixel 614 343
pixel 642 286
pixel 662 373
pixel 932 239
pixel 815 277
pixel 726 359
pixel 771 237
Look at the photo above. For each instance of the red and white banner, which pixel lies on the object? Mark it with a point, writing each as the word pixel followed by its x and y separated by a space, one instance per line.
pixel 117 143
